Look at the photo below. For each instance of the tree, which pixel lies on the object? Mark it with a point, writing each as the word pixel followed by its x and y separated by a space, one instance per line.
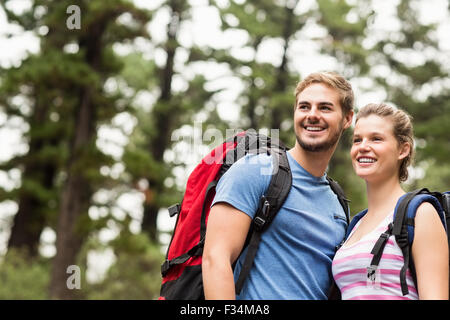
pixel 101 29
pixel 144 156
pixel 32 92
pixel 267 98
pixel 74 83
pixel 415 81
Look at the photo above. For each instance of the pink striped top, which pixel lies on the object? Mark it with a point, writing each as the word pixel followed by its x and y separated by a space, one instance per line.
pixel 350 269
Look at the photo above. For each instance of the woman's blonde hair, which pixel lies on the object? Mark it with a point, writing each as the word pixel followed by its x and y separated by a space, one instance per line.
pixel 403 129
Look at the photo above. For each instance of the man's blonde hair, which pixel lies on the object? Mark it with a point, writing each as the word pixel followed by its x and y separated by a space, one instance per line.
pixel 333 80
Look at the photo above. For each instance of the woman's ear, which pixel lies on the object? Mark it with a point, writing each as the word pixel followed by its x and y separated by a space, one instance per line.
pixel 405 150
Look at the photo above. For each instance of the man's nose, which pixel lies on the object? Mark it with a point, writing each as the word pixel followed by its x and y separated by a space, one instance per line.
pixel 313 114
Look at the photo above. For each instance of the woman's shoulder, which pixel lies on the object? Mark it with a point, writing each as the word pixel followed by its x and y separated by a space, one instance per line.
pixel 426 211
pixel 427 218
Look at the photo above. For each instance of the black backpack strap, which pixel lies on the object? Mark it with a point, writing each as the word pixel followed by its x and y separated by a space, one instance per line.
pixel 196 250
pixel 400 232
pixel 211 186
pixel 270 204
pixel 334 293
pixel 445 202
pixel 341 197
pixel 377 252
pixel 400 211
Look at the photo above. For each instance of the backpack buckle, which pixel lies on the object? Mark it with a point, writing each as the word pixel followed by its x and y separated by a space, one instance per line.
pixel 260 218
pixel 371 272
pixel 372 280
pixel 165 267
pixel 446 204
pixel 175 209
pixel 259 222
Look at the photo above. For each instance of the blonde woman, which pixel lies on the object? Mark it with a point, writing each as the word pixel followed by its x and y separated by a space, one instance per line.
pixel 381 152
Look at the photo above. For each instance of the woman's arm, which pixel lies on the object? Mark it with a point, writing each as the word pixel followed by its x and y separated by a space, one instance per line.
pixel 430 254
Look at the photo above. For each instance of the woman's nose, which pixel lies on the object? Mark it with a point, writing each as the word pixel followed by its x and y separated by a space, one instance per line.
pixel 363 145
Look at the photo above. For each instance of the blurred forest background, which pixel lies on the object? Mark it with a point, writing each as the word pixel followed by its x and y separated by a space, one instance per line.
pixel 98 124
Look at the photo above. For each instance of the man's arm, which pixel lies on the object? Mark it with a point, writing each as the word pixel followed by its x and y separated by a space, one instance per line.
pixel 225 237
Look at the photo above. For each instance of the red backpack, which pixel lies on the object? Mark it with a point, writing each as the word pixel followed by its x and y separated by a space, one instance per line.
pixel 181 271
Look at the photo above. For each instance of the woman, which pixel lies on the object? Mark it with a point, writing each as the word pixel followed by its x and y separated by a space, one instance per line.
pixel 381 152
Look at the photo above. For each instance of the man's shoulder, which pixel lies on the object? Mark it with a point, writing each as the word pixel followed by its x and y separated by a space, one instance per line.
pixel 262 158
pixel 245 182
pixel 255 165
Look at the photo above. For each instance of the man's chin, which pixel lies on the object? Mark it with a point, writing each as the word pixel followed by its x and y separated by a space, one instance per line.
pixel 316 146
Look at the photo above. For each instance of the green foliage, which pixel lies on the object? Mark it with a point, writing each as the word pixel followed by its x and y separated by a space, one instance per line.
pixel 430 111
pixel 136 273
pixel 23 277
pixel 346 35
pixel 437 177
pixel 138 72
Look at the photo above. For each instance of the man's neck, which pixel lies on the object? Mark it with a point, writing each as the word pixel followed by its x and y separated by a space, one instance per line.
pixel 315 163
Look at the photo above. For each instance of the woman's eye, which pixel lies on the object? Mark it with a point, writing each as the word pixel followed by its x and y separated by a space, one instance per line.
pixel 356 140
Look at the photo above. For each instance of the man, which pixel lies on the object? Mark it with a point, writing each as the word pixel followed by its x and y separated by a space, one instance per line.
pixel 294 257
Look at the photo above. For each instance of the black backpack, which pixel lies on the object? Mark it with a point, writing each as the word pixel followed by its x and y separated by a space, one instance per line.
pixel 402 228
pixel 181 271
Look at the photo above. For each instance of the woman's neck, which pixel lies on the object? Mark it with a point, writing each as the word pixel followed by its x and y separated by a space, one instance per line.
pixel 383 195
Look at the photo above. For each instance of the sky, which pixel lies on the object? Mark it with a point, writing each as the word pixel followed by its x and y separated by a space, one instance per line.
pixel 203 30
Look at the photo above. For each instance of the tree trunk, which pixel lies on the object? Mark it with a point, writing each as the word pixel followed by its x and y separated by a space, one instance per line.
pixel 77 193
pixel 158 144
pixel 75 201
pixel 282 74
pixel 30 218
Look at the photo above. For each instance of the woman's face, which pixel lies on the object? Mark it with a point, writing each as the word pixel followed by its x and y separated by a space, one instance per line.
pixel 375 153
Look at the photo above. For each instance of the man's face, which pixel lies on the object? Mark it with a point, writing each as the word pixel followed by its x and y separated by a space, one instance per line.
pixel 318 118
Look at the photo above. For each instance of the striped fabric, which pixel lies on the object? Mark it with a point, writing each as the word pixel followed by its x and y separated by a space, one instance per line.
pixel 350 269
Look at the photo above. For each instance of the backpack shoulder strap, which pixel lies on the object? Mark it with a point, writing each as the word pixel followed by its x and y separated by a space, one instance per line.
pixel 403 230
pixel 270 204
pixel 341 197
pixel 406 208
pixel 354 221
pixel 445 201
pixel 279 187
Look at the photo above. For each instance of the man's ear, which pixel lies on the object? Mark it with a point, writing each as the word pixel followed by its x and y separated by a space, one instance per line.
pixel 348 117
pixel 405 150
